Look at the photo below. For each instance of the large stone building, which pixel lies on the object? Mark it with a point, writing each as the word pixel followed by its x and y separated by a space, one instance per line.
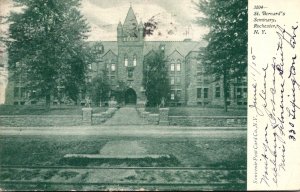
pixel 124 61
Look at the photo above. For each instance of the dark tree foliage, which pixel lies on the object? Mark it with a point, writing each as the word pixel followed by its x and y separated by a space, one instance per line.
pixel 156 81
pixel 150 26
pixel 99 88
pixel 225 56
pixel 119 92
pixel 48 41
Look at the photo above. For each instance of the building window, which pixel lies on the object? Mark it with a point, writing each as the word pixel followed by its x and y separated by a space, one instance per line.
pixel 199 92
pixel 134 60
pixel 218 92
pixel 245 93
pixel 239 93
pixel 172 80
pixel 178 67
pixel 126 61
pixel 178 94
pixel 172 67
pixel 172 95
pixel 130 73
pixel 199 80
pixel 113 67
pixel 205 92
pixel 178 80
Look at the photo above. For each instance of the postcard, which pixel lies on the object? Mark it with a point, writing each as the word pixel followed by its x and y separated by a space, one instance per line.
pixel 149 95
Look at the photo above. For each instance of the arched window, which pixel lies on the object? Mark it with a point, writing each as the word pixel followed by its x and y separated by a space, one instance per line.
pixel 126 61
pixel 134 60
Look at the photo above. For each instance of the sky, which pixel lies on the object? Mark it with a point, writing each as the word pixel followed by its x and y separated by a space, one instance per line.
pixel 176 18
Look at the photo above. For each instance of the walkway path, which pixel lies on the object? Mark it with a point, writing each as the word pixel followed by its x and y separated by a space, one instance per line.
pixel 125 116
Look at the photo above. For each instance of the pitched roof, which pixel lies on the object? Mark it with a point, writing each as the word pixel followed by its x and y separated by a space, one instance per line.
pixel 183 47
pixel 108 45
pixel 130 18
pixel 130 26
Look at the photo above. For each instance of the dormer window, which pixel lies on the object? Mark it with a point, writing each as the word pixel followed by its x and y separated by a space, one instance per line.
pixel 134 60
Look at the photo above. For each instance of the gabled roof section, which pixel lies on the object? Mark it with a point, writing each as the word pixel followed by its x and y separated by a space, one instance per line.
pixel 108 45
pixel 110 53
pixel 149 53
pixel 175 54
pixel 183 47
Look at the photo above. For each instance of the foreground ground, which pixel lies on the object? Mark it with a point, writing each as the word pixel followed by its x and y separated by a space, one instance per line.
pixel 197 158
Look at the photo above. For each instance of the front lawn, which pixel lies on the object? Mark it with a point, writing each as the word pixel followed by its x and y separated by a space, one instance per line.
pixel 200 111
pixel 41 110
pixel 228 156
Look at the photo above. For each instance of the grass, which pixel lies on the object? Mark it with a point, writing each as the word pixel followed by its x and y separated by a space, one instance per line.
pixel 41 110
pixel 200 111
pixel 49 150
pixel 187 152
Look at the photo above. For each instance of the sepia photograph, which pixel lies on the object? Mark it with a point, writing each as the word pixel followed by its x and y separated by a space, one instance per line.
pixel 110 95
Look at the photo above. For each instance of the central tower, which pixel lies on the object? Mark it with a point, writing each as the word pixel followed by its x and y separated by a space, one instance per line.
pixel 130 49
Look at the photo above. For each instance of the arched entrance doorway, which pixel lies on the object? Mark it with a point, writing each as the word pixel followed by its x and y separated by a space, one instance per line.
pixel 130 97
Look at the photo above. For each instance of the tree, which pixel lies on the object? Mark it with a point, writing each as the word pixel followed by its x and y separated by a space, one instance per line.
pixel 156 81
pixel 99 88
pixel 119 92
pixel 225 56
pixel 48 40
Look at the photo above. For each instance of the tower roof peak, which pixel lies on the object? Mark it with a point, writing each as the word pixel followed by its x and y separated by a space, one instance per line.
pixel 130 18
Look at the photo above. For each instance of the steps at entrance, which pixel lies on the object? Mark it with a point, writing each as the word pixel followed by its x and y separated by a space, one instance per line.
pixel 126 116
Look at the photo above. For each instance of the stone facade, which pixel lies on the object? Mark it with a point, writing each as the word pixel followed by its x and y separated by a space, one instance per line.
pixel 124 61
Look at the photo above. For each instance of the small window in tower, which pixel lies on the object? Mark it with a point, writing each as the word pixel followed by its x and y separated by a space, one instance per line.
pixel 126 62
pixel 134 60
pixel 113 67
pixel 130 73
pixel 172 67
